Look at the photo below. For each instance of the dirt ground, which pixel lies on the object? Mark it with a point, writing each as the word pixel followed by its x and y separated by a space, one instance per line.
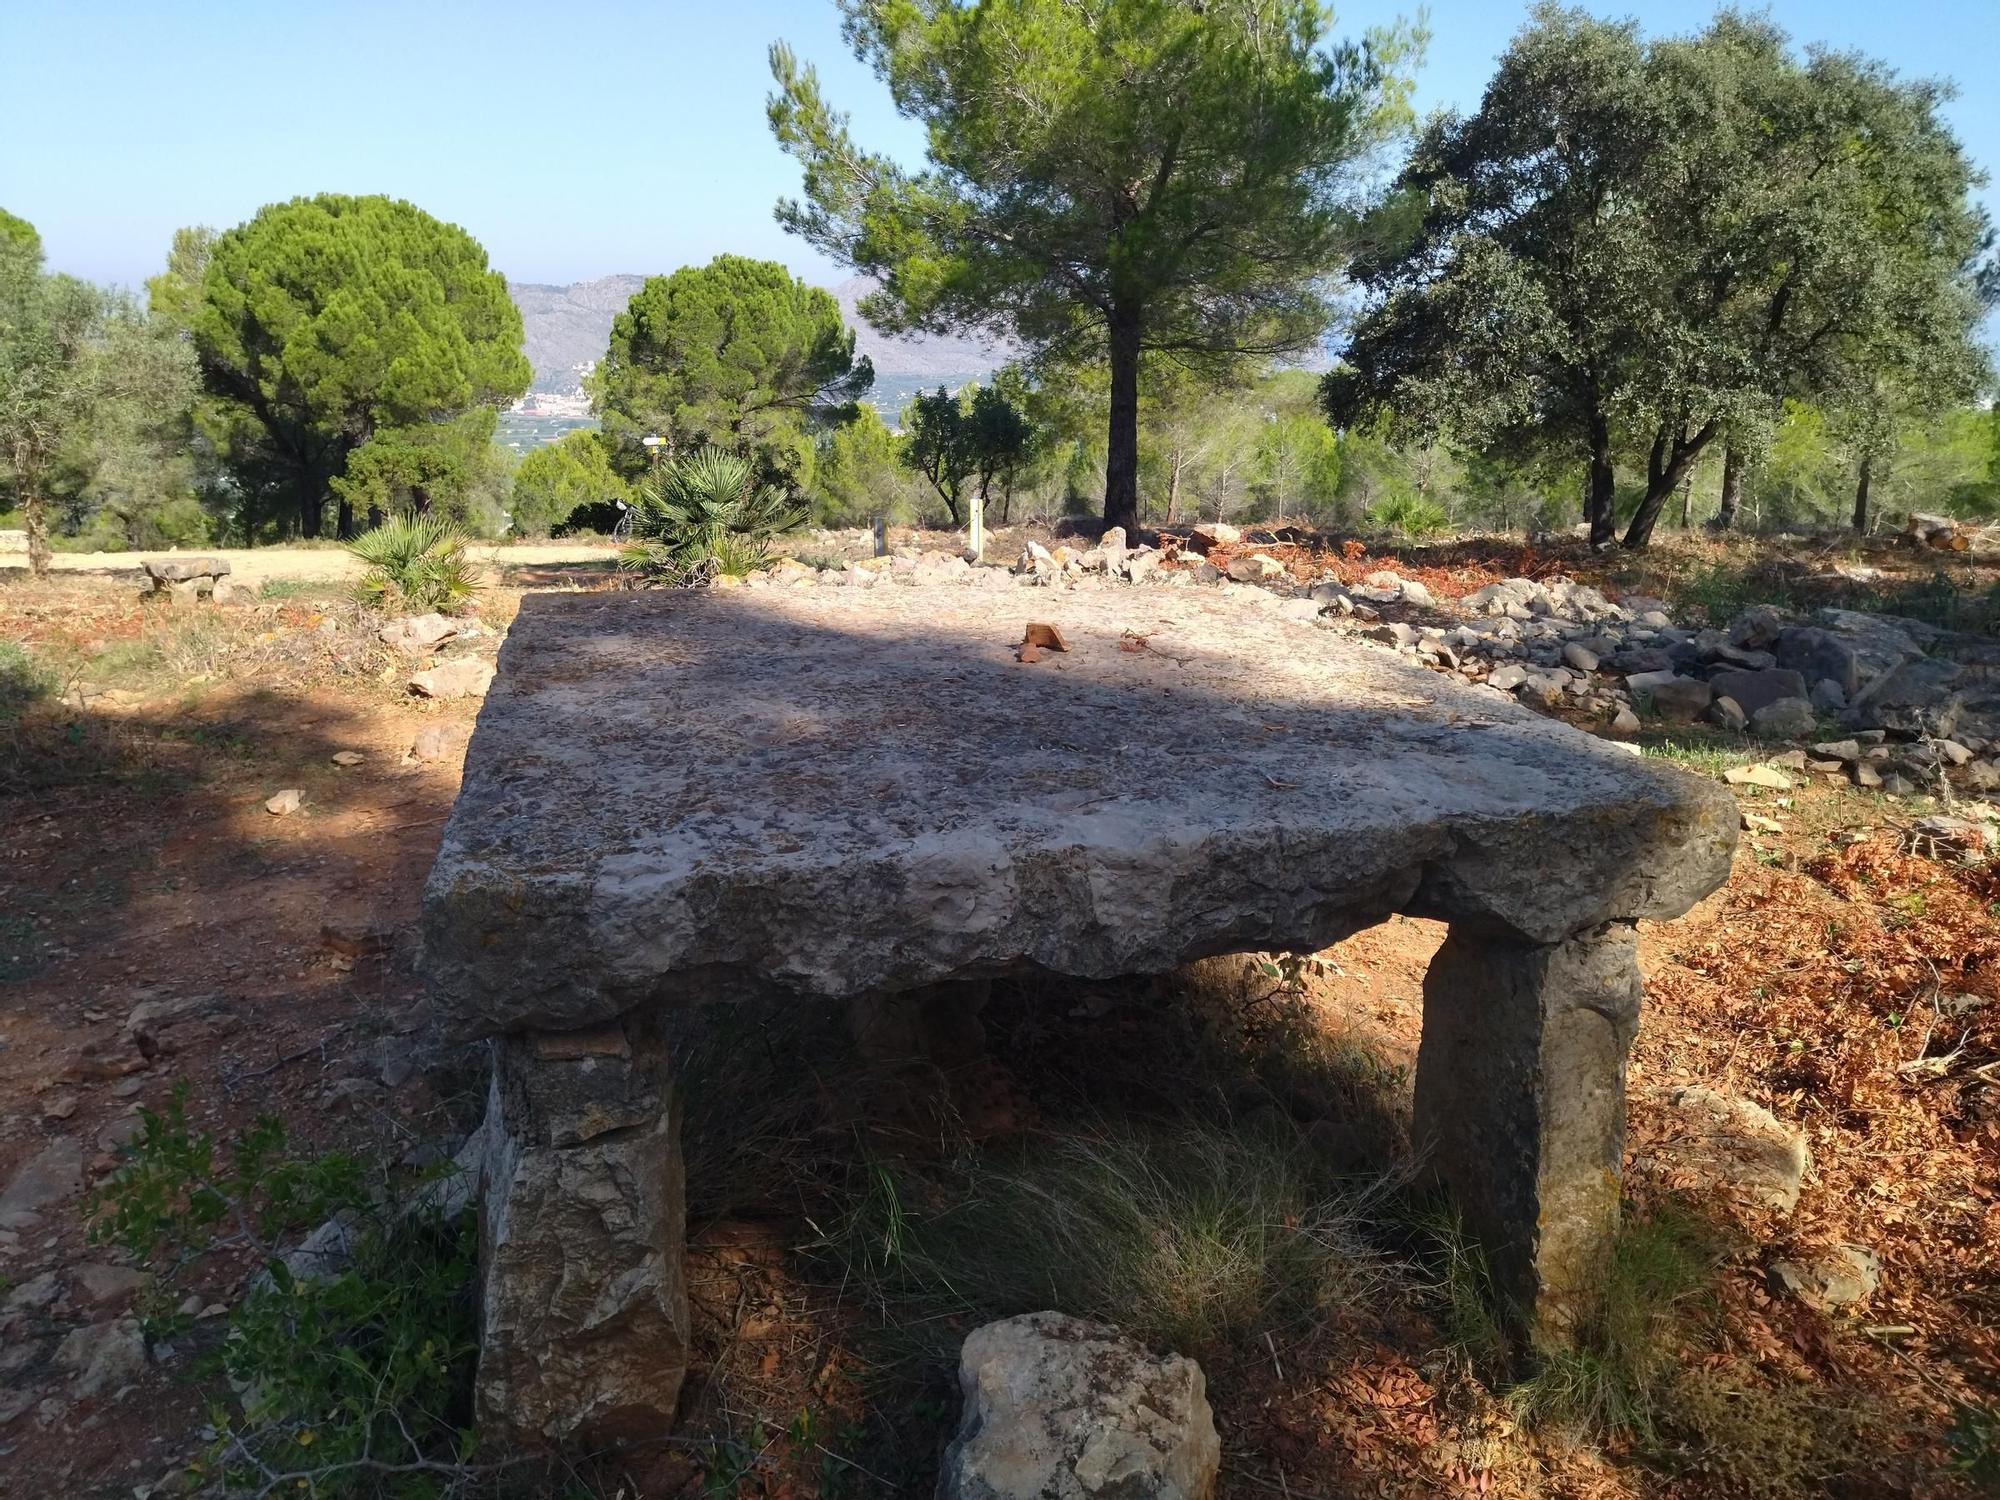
pixel 315 564
pixel 1840 980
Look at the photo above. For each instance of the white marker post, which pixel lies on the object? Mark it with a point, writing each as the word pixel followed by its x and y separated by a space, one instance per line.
pixel 978 548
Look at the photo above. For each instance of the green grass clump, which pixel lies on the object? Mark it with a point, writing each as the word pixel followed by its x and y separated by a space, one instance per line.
pixel 1619 1369
pixel 1190 1238
pixel 1708 755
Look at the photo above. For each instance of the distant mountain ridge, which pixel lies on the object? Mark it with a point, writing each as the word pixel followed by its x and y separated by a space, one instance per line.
pixel 568 328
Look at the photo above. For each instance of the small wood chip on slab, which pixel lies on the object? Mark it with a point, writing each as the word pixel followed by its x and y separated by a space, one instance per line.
pixel 1045 636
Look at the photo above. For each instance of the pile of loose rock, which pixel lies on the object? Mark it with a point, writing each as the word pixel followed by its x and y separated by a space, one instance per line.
pixel 1914 701
pixel 1889 703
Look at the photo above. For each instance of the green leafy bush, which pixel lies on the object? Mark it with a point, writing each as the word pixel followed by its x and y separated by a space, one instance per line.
pixel 415 563
pixel 708 519
pixel 350 1363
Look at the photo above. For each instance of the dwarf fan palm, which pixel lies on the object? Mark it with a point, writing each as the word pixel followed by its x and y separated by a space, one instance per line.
pixel 414 563
pixel 708 519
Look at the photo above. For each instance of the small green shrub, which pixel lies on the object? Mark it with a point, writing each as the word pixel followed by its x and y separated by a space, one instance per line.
pixel 415 564
pixel 708 519
pixel 351 1367
pixel 1411 516
pixel 1974 1440
pixel 23 681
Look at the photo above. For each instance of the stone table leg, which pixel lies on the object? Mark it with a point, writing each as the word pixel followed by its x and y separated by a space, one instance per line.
pixel 583 1326
pixel 1520 1100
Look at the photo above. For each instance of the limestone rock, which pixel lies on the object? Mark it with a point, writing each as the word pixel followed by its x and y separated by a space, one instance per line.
pixel 583 1323
pixel 97 1285
pixel 1920 697
pixel 1211 534
pixel 1060 1409
pixel 416 634
pixel 1757 627
pixel 790 570
pixel 1844 1276
pixel 578 828
pixel 1035 558
pixel 283 804
pixel 1754 691
pixel 1580 657
pixel 1255 567
pixel 1681 700
pixel 1768 777
pixel 431 744
pixel 1625 721
pixel 1727 713
pixel 45 1179
pixel 165 570
pixel 347 759
pixel 1784 719
pixel 467 677
pixel 1735 1146
pixel 1416 594
pixel 103 1356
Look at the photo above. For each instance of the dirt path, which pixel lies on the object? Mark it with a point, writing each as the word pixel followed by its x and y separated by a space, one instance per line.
pixel 258 564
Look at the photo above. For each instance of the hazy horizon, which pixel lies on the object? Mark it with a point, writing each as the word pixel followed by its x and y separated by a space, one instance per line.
pixel 607 138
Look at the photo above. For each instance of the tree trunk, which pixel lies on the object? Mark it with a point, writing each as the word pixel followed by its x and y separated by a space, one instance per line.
pixel 1603 480
pixel 1174 467
pixel 1732 488
pixel 36 509
pixel 344 521
pixel 1664 470
pixel 1121 455
pixel 1687 500
pixel 1861 493
pixel 311 503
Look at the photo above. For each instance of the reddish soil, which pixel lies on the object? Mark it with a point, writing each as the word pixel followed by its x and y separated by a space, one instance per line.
pixel 137 862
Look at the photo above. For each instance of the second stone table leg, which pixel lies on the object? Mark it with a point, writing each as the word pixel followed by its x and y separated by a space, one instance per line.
pixel 1520 1101
pixel 583 1322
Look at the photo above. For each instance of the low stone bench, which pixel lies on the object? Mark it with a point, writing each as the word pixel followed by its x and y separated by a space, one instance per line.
pixel 188 580
pixel 684 798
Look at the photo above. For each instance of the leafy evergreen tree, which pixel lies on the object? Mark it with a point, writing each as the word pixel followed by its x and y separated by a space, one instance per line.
pixel 1106 177
pixel 739 354
pixel 328 322
pixel 1646 244
pixel 558 477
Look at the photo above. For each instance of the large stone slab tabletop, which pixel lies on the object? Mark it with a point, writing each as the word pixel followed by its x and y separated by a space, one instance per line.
pixel 682 796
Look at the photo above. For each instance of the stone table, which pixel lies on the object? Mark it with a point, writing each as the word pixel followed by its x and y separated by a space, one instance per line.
pixel 861 793
pixel 187 580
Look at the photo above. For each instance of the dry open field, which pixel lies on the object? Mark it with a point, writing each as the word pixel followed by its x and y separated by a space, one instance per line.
pixel 1844 980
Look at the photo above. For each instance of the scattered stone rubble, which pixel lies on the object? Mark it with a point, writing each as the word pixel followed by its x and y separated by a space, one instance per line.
pixel 1907 700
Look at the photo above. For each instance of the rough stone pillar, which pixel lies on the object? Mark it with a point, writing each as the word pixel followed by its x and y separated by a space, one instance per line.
pixel 583 1327
pixel 1520 1100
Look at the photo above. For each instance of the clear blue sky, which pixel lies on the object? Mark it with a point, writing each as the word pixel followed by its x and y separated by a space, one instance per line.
pixel 582 137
